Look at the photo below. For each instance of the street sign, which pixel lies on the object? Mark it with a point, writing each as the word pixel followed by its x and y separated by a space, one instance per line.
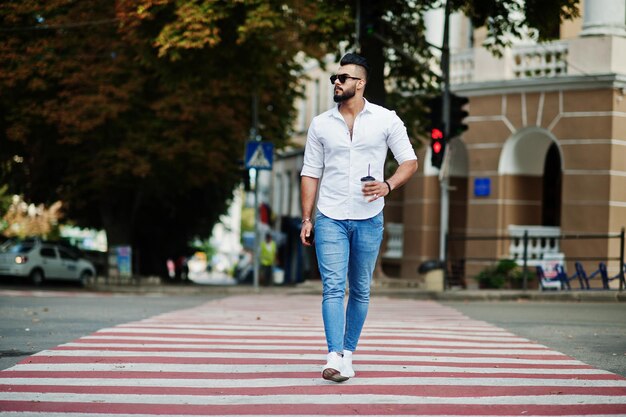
pixel 482 187
pixel 259 155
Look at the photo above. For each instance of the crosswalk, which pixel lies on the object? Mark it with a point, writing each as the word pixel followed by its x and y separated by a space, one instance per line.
pixel 261 355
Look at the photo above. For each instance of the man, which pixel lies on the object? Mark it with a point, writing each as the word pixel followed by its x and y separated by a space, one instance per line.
pixel 344 144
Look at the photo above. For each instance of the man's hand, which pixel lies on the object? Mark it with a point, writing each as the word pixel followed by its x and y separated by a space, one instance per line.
pixel 306 233
pixel 375 190
pixel 308 190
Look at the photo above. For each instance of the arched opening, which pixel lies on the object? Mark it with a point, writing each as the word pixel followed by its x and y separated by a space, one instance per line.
pixel 530 179
pixel 551 205
pixel 530 194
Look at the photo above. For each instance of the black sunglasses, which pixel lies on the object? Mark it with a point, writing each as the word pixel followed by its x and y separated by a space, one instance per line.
pixel 342 78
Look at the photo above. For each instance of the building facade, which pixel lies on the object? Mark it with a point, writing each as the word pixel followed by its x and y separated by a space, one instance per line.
pixel 545 152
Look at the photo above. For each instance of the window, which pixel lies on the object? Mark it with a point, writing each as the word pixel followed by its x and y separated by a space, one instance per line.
pixel 67 255
pixel 48 252
pixel 17 247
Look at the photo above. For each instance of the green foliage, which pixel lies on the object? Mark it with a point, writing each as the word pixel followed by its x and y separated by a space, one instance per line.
pixel 5 199
pixel 247 219
pixel 5 203
pixel 489 278
pixel 394 42
pixel 204 246
pixel 508 19
pixel 505 274
pixel 135 113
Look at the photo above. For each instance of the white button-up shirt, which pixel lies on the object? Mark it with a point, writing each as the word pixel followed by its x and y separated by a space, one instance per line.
pixel 341 163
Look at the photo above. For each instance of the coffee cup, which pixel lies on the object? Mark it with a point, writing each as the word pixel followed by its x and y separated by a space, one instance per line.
pixel 364 181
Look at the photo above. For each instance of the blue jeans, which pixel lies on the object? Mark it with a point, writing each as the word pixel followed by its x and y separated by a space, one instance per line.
pixel 346 249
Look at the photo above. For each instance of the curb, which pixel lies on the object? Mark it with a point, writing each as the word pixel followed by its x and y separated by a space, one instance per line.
pixel 315 288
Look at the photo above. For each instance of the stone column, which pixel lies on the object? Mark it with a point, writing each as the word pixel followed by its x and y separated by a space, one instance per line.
pixel 604 18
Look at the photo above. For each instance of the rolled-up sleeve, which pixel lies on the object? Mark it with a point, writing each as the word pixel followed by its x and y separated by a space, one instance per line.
pixel 398 140
pixel 313 164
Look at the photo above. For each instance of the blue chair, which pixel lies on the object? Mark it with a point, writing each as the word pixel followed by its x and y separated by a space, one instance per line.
pixel 604 275
pixel 583 280
pixel 555 282
pixel 602 272
pixel 579 273
pixel 560 273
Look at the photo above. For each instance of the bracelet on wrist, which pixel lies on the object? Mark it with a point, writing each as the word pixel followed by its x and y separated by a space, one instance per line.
pixel 308 219
pixel 388 186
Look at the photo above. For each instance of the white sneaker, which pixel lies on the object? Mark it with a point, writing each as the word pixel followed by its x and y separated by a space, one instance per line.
pixel 333 367
pixel 346 369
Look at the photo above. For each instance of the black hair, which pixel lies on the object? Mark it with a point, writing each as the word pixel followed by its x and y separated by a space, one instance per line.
pixel 354 59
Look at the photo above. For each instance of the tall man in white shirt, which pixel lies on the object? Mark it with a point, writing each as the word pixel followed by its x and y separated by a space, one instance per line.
pixel 344 144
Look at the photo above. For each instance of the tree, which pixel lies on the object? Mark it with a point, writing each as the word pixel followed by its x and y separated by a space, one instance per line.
pixel 392 38
pixel 135 113
pixel 22 220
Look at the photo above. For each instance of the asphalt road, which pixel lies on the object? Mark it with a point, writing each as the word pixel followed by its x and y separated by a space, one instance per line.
pixel 261 354
pixel 31 324
pixel 594 333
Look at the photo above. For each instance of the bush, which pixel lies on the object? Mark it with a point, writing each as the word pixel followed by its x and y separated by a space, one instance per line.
pixel 505 274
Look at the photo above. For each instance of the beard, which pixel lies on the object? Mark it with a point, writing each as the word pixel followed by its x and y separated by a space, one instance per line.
pixel 345 95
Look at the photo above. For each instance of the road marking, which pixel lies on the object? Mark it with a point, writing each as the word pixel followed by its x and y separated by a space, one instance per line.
pixel 244 355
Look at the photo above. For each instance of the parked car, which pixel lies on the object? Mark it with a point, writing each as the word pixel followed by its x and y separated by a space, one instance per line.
pixel 40 260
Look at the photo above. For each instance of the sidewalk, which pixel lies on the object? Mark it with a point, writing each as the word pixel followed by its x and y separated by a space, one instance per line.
pixel 396 288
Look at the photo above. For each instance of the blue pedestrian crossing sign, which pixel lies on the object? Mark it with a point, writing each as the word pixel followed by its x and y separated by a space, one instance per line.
pixel 259 155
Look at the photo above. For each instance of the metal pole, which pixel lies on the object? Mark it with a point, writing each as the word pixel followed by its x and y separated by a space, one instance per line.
pixel 444 184
pixel 257 217
pixel 357 29
pixel 446 283
pixel 525 267
pixel 622 281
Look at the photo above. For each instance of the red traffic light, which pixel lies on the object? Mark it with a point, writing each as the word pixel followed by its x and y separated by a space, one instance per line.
pixel 436 134
pixel 437 147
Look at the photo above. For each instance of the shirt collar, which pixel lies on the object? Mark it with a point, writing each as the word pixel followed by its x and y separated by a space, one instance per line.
pixel 366 108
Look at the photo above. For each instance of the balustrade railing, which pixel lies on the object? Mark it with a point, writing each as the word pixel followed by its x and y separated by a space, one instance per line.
pixel 527 61
pixel 543 242
pixel 540 60
pixel 462 67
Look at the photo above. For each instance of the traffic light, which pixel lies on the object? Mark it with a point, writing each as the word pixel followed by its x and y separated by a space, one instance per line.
pixel 244 175
pixel 369 18
pixel 437 131
pixel 457 114
pixel 437 147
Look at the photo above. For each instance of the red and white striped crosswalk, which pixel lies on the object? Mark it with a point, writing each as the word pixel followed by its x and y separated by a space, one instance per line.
pixel 261 355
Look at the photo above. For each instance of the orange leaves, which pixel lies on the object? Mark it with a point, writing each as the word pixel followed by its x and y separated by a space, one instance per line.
pixel 136 161
pixel 195 24
pixel 262 19
pixel 23 219
pixel 199 24
pixel 158 99
pixel 18 132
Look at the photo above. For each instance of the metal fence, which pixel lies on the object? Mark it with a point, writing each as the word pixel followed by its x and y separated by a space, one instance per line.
pixel 456 265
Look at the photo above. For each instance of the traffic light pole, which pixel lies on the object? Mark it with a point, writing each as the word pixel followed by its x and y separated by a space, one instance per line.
pixel 444 178
pixel 254 135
